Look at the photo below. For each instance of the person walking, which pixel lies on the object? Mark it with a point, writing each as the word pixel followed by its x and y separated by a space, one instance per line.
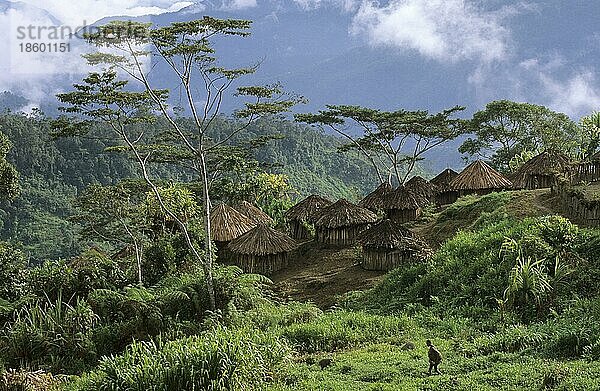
pixel 435 357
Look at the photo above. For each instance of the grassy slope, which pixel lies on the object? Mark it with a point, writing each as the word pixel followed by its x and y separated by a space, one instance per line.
pixel 468 212
pixel 387 367
pixel 321 274
pixel 368 349
pixel 382 363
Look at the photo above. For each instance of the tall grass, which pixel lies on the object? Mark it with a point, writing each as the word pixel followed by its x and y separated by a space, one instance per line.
pixel 221 359
pixel 50 334
pixel 342 329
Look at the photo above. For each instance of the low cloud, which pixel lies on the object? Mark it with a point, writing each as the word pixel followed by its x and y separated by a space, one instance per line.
pixel 443 30
pixel 234 5
pixel 39 58
pixel 548 80
pixel 577 95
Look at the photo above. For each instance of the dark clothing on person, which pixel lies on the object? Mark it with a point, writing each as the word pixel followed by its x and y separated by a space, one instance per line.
pixel 435 358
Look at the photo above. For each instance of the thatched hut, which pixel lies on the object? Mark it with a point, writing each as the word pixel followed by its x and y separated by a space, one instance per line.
pixel 477 178
pixel 442 181
pixel 403 205
pixel 254 213
pixel 541 171
pixel 227 224
pixel 262 250
pixel 305 212
pixel 374 200
pixel 388 245
pixel 422 187
pixel 342 222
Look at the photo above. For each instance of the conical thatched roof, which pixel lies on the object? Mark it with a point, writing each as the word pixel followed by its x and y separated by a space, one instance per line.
pixel 262 240
pixel 385 234
pixel 546 163
pixel 254 213
pixel 308 210
pixel 420 186
pixel 374 200
pixel 443 179
pixel 403 198
pixel 345 214
pixel 389 235
pixel 227 223
pixel 479 176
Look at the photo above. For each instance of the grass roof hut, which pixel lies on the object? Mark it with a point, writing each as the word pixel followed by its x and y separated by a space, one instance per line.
pixel 226 224
pixel 477 178
pixel 305 212
pixel 262 250
pixel 442 181
pixel 403 205
pixel 342 222
pixel 374 200
pixel 422 187
pixel 254 213
pixel 541 171
pixel 388 245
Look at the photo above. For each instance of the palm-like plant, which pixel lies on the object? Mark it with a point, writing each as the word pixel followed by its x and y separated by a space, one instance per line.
pixel 528 282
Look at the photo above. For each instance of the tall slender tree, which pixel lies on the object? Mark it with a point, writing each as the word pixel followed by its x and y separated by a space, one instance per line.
pixel 187 50
pixel 393 142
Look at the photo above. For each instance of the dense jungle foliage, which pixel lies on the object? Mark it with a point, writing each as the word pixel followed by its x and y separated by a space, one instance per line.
pixel 53 172
pixel 106 275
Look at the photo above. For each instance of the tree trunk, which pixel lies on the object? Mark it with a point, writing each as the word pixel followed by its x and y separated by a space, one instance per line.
pixel 138 258
pixel 208 262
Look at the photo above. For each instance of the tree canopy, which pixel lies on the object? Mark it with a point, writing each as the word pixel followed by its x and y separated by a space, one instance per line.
pixel 505 129
pixel 393 141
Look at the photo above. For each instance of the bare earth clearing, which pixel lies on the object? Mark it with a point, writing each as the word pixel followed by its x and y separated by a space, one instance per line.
pixel 321 273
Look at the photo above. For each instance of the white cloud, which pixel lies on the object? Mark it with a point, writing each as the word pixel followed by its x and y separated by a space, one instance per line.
pixel 575 96
pixel 91 10
pixel 444 30
pixel 548 80
pixel 234 5
pixel 36 74
pixel 344 5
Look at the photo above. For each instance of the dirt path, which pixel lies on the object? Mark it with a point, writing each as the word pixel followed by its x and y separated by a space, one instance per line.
pixel 320 273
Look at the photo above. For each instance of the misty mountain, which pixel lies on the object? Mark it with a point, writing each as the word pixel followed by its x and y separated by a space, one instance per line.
pixel 551 52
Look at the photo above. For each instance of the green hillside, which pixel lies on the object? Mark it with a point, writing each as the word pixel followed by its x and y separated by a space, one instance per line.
pixel 495 331
pixel 53 172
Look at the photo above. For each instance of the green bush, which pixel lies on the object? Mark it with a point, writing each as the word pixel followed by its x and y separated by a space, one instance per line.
pixel 472 270
pixel 271 316
pixel 217 360
pixel 342 329
pixel 76 278
pixel 572 334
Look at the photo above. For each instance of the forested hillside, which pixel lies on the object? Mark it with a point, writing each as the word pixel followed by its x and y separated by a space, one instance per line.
pixel 54 171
